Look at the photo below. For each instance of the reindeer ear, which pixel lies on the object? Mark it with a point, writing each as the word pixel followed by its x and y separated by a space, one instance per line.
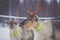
pixel 7 21
pixel 36 17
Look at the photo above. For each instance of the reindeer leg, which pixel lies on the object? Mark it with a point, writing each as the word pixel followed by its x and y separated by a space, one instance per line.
pixel 31 38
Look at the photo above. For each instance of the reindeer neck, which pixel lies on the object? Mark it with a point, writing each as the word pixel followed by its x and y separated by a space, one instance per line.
pixel 15 27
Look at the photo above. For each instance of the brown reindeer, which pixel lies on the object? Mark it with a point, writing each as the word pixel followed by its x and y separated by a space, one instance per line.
pixel 30 31
pixel 32 22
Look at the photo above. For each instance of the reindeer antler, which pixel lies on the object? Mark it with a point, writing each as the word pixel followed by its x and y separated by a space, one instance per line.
pixel 39 7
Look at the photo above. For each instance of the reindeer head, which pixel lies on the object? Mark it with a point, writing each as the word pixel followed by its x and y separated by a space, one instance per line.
pixel 32 16
pixel 29 22
pixel 12 23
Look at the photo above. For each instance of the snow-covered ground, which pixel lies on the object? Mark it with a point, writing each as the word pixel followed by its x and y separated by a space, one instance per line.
pixel 4 33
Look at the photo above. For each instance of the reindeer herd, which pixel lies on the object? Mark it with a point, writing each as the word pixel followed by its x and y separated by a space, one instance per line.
pixel 26 30
pixel 32 28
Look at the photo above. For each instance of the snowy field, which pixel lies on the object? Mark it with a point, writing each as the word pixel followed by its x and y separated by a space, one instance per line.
pixel 4 33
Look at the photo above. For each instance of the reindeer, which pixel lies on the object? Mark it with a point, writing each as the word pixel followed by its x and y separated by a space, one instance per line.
pixel 15 30
pixel 31 25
